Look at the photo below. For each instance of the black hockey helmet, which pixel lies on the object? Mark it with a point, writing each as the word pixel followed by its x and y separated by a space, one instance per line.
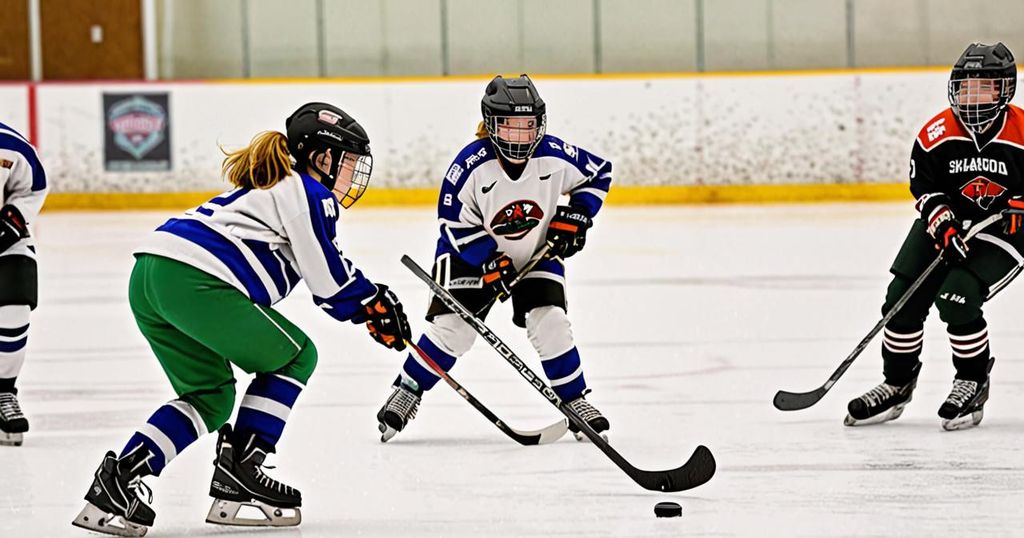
pixel 505 99
pixel 325 140
pixel 982 83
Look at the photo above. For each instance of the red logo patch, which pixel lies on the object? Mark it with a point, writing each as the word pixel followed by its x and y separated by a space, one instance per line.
pixel 516 220
pixel 983 191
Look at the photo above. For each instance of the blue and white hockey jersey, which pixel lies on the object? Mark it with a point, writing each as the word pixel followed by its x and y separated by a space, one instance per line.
pixel 482 210
pixel 263 241
pixel 22 183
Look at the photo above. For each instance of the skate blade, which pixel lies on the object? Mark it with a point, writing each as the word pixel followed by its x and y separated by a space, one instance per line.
pixel 11 439
pixel 964 422
pixel 252 514
pixel 93 519
pixel 891 414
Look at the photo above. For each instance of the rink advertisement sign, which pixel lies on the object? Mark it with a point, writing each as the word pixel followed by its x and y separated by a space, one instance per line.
pixel 137 132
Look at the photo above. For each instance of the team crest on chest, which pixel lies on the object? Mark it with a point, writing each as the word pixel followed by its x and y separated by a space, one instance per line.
pixel 515 220
pixel 982 191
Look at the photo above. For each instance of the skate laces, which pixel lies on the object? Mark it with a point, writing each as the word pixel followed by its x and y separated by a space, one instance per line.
pixel 963 390
pixel 9 408
pixel 265 480
pixel 404 402
pixel 879 394
pixel 583 408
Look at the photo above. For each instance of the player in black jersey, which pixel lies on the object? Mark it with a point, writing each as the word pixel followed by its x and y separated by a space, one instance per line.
pixel 966 165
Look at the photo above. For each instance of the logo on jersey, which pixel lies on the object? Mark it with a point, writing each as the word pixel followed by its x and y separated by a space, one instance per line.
pixel 516 220
pixel 936 129
pixel 978 164
pixel 487 188
pixel 982 191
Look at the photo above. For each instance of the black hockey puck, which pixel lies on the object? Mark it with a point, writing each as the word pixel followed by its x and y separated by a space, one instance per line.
pixel 668 509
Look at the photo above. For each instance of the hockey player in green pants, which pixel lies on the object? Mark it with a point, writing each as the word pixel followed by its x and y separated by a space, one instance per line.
pixel 201 292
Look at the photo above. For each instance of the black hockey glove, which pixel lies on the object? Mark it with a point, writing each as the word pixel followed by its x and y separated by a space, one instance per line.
pixel 947 232
pixel 567 233
pixel 386 321
pixel 499 274
pixel 12 227
pixel 1013 222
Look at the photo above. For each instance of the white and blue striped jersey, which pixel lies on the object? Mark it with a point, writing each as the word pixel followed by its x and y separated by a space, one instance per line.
pixel 263 241
pixel 22 183
pixel 482 210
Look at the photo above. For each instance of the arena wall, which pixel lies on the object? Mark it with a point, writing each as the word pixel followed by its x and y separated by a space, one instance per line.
pixel 795 136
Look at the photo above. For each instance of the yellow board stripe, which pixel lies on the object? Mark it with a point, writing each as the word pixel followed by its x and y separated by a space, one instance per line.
pixel 619 195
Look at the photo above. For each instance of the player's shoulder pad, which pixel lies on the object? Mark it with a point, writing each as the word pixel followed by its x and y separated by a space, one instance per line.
pixel 941 128
pixel 552 146
pixel 1013 128
pixel 586 162
pixel 473 155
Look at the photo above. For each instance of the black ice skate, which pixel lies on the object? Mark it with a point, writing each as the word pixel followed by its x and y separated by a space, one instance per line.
pixel 13 423
pixel 243 495
pixel 965 406
pixel 113 503
pixel 590 415
pixel 881 404
pixel 398 410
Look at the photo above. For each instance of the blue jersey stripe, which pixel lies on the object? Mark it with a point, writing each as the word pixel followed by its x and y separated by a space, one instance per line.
pixel 271 264
pixel 225 200
pixel 324 229
pixel 224 250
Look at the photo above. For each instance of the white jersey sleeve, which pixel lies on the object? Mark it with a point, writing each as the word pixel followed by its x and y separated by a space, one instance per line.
pixel 23 183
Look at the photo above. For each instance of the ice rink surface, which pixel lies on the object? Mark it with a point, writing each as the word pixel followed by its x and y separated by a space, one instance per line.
pixel 688 320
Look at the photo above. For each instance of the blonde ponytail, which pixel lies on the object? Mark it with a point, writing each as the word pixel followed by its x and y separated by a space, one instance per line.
pixel 261 164
pixel 481 130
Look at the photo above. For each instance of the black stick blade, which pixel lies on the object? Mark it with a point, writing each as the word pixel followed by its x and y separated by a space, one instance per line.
pixel 794 401
pixel 696 471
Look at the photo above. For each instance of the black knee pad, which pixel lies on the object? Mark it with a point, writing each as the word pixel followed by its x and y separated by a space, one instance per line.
pixel 20 281
pixel 960 298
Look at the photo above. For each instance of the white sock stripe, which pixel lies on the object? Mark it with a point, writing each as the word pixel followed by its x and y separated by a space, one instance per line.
pixel 569 378
pixel 969 355
pixel 267 406
pixel 895 343
pixel 10 363
pixel 903 336
pixel 968 347
pixel 14 316
pixel 295 382
pixel 192 415
pixel 914 349
pixel 15 338
pixel 160 438
pixel 903 342
pixel 968 337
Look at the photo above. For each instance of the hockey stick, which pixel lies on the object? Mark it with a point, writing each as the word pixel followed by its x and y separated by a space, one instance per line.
pixel 792 401
pixel 526 269
pixel 696 471
pixel 544 436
